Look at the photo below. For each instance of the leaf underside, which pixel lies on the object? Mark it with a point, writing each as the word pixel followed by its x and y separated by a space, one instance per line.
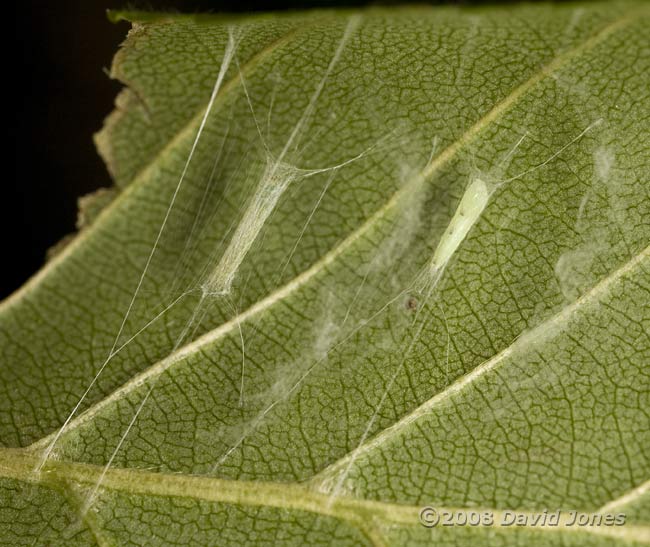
pixel 354 263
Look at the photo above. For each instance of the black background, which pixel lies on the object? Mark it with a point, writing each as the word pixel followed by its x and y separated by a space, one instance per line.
pixel 62 94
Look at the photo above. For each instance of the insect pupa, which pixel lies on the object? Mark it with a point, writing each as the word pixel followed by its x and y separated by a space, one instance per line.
pixel 467 213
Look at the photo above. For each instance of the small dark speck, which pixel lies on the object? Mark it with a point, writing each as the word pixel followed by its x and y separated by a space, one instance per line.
pixel 411 303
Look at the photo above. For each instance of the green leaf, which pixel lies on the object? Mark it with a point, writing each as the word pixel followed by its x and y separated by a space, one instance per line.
pixel 355 263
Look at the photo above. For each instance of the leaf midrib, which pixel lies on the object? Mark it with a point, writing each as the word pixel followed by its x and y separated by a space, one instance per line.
pixel 19 464
pixel 436 163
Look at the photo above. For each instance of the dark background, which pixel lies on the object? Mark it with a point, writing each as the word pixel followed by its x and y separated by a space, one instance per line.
pixel 63 50
pixel 62 94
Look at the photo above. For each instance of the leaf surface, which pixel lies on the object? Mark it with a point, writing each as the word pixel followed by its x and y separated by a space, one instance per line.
pixel 355 263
